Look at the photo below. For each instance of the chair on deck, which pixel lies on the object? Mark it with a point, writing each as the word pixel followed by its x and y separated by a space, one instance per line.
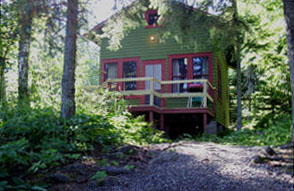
pixel 192 88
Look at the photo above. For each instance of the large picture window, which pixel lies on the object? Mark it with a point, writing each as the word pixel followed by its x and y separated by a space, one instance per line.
pixel 121 68
pixel 187 67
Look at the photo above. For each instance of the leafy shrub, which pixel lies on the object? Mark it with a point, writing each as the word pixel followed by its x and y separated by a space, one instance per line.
pixel 274 132
pixel 32 139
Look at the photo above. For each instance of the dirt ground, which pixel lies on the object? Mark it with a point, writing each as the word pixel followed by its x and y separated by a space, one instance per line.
pixel 182 166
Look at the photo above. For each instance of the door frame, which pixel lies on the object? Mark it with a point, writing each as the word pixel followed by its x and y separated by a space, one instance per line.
pixel 163 74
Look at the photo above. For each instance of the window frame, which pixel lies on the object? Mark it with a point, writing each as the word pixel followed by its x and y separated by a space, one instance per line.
pixel 106 76
pixel 180 77
pixel 163 75
pixel 120 74
pixel 147 13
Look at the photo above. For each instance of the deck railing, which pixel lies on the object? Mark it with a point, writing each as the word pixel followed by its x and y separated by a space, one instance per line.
pixel 163 89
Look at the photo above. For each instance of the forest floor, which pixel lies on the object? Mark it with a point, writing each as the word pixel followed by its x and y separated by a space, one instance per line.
pixel 181 166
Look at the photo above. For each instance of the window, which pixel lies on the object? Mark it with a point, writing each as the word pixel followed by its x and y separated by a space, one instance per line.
pixel 130 71
pixel 121 68
pixel 187 67
pixel 179 68
pixel 151 18
pixel 219 82
pixel 110 71
pixel 200 68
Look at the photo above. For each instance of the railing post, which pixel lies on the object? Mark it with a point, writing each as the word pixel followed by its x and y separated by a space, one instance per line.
pixel 151 91
pixel 205 94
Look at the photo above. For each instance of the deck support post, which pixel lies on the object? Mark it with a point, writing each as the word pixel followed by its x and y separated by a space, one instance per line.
pixel 151 92
pixel 204 121
pixel 151 116
pixel 161 122
pixel 205 94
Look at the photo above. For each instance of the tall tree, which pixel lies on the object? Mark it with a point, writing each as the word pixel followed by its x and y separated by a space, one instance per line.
pixel 68 79
pixel 289 17
pixel 26 8
pixel 8 38
pixel 237 44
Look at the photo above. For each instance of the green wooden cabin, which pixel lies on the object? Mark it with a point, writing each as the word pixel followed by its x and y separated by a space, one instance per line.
pixel 180 90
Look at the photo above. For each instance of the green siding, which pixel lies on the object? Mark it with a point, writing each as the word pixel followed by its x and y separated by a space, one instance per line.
pixel 137 44
pixel 133 101
pixel 222 105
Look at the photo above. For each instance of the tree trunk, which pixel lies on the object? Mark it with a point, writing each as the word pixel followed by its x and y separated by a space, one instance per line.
pixel 249 106
pixel 2 82
pixel 239 89
pixel 26 18
pixel 68 79
pixel 289 17
pixel 237 54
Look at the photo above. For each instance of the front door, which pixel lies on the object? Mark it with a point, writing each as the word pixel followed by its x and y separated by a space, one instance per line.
pixel 153 69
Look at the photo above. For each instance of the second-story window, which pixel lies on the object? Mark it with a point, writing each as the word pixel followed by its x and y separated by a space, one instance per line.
pixel 151 18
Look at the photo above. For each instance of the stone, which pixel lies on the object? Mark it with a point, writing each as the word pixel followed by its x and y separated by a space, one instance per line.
pixel 287 146
pixel 116 155
pixel 128 149
pixel 114 171
pixel 270 151
pixel 258 159
pixel 75 168
pixel 290 170
pixel 211 128
pixel 111 181
pixel 93 185
pixel 58 178
pixel 81 179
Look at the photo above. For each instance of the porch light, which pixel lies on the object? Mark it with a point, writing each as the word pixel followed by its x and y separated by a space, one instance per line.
pixel 152 38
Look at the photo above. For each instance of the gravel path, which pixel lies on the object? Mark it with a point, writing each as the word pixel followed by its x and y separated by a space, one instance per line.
pixel 189 166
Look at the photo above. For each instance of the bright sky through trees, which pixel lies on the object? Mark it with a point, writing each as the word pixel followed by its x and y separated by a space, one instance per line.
pixel 100 10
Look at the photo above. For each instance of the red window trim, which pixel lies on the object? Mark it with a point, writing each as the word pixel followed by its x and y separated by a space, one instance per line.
pixel 163 74
pixel 190 56
pixel 147 13
pixel 120 62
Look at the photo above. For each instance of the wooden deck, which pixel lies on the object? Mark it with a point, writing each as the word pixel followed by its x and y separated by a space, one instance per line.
pixel 206 94
pixel 149 91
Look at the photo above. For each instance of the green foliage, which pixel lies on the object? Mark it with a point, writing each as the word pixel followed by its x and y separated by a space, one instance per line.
pixel 273 131
pixel 36 139
pixel 99 176
pixel 129 167
pixel 103 162
pixel 114 163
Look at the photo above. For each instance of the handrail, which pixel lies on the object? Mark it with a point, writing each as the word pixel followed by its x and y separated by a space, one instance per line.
pixel 158 81
pixel 151 91
pixel 128 79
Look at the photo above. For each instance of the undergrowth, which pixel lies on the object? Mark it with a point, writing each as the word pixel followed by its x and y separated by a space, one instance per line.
pixel 273 131
pixel 35 139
